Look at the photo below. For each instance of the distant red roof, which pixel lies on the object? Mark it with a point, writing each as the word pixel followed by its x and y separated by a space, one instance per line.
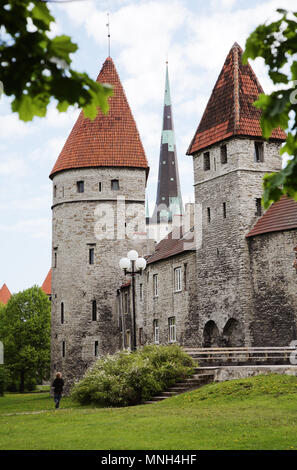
pixel 281 215
pixel 230 111
pixel 47 285
pixel 177 242
pixel 4 294
pixel 108 140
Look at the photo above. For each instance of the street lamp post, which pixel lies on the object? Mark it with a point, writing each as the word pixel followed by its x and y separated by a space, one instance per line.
pixel 133 265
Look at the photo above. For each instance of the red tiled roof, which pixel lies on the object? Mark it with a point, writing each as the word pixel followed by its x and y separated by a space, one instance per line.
pixel 108 140
pixel 230 109
pixel 47 285
pixel 282 215
pixel 4 294
pixel 177 242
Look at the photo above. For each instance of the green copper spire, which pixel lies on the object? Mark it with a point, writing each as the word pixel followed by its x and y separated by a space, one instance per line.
pixel 169 201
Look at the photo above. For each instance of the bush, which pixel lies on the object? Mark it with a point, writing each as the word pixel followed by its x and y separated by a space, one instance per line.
pixel 130 378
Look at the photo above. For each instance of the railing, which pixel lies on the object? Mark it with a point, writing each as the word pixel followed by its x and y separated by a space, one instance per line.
pixel 274 354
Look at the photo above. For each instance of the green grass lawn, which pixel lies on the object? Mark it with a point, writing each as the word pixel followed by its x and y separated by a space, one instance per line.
pixel 255 413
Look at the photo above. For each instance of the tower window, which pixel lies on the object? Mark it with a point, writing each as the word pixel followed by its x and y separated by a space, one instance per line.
pixel 96 348
pixel 55 259
pixel 177 280
pixel 259 152
pixel 172 329
pixel 91 255
pixel 186 276
pixel 156 331
pixel 258 206
pixel 115 185
pixel 94 310
pixel 224 154
pixel 62 312
pixel 208 214
pixel 63 348
pixel 140 292
pixel 80 186
pixel 100 187
pixel 206 161
pixel 155 285
pixel 224 210
pixel 55 191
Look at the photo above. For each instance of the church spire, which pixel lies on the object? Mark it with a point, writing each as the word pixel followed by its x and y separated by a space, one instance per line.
pixel 168 201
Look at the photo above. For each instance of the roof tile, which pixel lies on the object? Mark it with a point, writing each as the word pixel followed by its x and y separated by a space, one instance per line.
pixel 230 109
pixel 108 140
pixel 281 215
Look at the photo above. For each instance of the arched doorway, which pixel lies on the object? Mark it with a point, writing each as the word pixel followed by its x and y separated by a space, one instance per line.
pixel 232 334
pixel 211 335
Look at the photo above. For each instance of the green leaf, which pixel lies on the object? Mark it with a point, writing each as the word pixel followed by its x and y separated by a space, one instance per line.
pixel 41 12
pixel 61 47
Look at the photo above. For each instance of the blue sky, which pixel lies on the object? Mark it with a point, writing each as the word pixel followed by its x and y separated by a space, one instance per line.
pixel 195 36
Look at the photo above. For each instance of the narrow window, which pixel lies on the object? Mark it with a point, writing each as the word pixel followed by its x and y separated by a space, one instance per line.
pixel 258 206
pixel 115 185
pixel 140 338
pixel 62 312
pixel 259 152
pixel 186 276
pixel 55 259
pixel 96 348
pixel 155 285
pixel 208 214
pixel 126 303
pixel 172 329
pixel 63 348
pixel 224 154
pixel 63 192
pixel 94 310
pixel 55 191
pixel 80 186
pixel 224 210
pixel 156 331
pixel 177 280
pixel 141 292
pixel 91 255
pixel 100 187
pixel 206 161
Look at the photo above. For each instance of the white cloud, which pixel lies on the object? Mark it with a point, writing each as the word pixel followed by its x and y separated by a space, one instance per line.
pixel 35 228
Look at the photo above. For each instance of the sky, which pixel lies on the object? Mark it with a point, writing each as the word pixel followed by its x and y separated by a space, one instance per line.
pixel 195 37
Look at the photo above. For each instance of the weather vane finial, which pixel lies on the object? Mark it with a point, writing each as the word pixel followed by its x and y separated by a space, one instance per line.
pixel 108 34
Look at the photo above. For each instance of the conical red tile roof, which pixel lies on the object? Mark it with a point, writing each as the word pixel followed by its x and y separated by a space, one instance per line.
pixel 230 111
pixel 4 294
pixel 108 140
pixel 47 284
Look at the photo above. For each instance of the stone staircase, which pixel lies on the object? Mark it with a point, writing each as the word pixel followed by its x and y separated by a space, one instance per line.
pixel 202 376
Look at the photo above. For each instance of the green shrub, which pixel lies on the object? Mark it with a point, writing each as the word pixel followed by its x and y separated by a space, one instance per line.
pixel 130 378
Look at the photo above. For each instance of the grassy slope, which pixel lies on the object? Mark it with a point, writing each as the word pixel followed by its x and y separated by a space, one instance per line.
pixel 255 413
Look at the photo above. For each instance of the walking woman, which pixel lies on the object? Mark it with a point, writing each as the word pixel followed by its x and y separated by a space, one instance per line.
pixel 58 385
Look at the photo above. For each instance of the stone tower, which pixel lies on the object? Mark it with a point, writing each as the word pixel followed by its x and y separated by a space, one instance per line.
pixel 99 182
pixel 168 201
pixel 230 158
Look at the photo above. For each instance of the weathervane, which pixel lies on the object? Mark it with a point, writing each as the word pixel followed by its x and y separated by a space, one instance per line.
pixel 108 35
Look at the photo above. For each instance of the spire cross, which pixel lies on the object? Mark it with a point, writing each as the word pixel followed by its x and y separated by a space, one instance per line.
pixel 108 34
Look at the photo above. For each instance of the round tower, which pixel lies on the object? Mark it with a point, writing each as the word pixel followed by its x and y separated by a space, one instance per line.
pixel 99 183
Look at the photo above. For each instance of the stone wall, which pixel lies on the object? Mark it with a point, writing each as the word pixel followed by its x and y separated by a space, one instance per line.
pixel 227 196
pixel 274 288
pixel 75 282
pixel 169 302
